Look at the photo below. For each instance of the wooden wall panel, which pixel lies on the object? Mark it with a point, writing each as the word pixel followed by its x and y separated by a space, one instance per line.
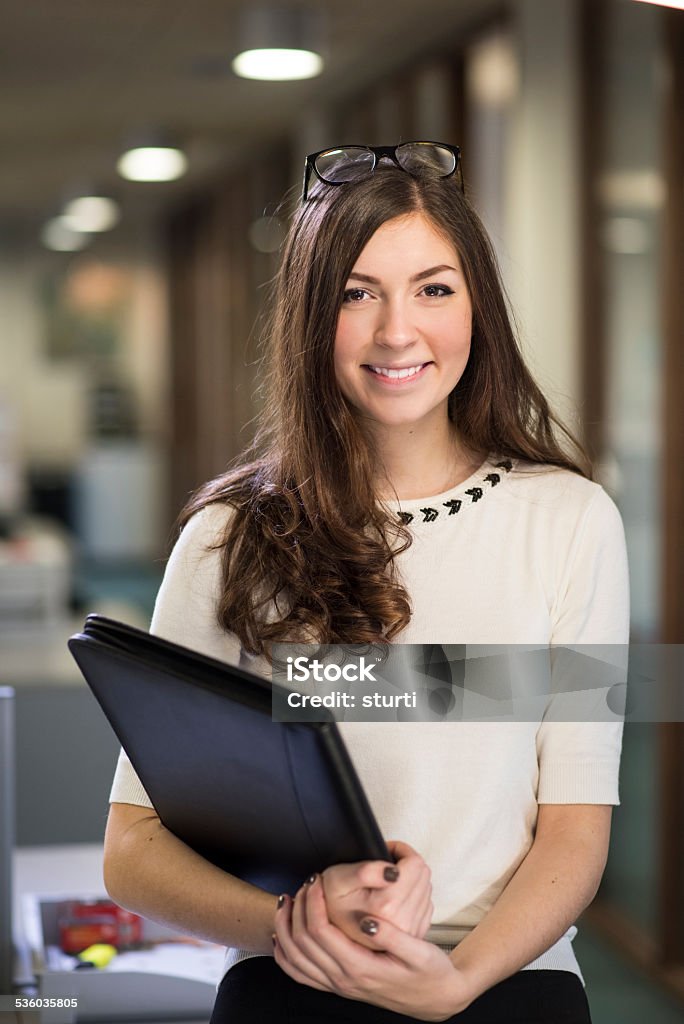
pixel 216 285
pixel 592 268
pixel 672 734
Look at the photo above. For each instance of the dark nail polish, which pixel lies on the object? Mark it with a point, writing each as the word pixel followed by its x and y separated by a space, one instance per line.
pixel 311 879
pixel 391 874
pixel 281 902
pixel 369 926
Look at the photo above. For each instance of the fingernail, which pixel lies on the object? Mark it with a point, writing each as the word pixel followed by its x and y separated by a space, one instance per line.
pixel 391 874
pixel 311 879
pixel 369 926
pixel 281 901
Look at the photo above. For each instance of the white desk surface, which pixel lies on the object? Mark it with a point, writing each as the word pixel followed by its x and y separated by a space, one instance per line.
pixel 56 870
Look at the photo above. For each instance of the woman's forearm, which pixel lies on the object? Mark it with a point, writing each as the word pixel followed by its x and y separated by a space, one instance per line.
pixel 151 872
pixel 556 881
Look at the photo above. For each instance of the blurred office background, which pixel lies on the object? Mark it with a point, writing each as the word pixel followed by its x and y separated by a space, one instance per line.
pixel 128 348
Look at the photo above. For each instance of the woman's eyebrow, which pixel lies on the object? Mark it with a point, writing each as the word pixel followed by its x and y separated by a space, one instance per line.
pixel 357 276
pixel 431 271
pixel 363 277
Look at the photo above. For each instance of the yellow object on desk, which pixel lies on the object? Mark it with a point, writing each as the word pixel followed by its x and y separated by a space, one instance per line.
pixel 99 954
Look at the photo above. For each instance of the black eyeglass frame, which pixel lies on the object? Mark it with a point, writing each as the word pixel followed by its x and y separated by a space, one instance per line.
pixel 378 152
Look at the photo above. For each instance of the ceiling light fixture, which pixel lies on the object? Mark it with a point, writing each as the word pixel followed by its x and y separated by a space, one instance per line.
pixel 492 72
pixel 278 65
pixel 279 44
pixel 60 237
pixel 91 213
pixel 153 159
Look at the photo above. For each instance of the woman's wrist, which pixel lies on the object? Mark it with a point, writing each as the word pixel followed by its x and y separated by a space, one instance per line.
pixel 263 916
pixel 467 986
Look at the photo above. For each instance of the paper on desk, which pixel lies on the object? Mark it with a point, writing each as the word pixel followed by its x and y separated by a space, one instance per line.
pixel 182 960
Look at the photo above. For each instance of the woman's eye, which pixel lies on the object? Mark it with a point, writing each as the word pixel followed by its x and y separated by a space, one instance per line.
pixel 354 294
pixel 437 290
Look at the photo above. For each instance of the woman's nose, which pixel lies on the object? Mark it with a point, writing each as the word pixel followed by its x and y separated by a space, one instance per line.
pixel 396 326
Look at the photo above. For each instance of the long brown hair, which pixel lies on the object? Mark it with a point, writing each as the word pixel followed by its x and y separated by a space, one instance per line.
pixel 308 553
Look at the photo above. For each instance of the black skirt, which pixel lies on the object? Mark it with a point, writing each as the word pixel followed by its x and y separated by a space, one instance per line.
pixel 256 991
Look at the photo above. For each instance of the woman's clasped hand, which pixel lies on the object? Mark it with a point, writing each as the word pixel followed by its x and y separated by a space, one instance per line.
pixel 358 930
pixel 400 893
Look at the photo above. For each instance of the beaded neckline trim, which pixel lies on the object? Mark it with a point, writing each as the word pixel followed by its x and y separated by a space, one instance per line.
pixel 466 498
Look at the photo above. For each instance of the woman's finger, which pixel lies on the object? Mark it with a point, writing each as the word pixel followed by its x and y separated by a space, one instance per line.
pixel 288 967
pixel 297 914
pixel 405 902
pixel 426 919
pixel 406 949
pixel 345 879
pixel 309 923
pixel 288 950
pixel 398 849
pixel 350 957
pixel 423 908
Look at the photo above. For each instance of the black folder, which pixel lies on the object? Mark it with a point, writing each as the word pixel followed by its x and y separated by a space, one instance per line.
pixel 271 802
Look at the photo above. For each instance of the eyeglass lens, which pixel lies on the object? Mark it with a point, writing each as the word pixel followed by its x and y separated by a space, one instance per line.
pixel 419 157
pixel 337 166
pixel 351 163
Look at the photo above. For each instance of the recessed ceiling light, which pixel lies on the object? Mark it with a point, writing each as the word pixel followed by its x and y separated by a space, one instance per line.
pixel 492 72
pixel 278 65
pixel 279 44
pixel 152 163
pixel 91 213
pixel 58 236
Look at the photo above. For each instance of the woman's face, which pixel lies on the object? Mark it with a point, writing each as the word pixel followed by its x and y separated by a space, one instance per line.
pixel 403 333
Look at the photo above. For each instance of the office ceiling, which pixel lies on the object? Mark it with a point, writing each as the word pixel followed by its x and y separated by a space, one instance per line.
pixel 79 77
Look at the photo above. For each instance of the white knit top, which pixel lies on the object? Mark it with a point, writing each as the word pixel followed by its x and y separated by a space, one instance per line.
pixel 516 554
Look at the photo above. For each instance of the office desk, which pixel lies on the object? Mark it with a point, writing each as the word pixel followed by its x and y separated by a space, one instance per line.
pixel 76 869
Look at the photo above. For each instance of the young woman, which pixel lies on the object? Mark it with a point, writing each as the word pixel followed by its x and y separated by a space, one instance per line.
pixel 406 485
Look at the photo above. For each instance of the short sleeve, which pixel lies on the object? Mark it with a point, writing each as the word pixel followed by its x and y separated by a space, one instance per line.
pixel 579 760
pixel 185 612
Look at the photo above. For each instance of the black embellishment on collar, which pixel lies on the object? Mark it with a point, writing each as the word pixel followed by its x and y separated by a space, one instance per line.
pixel 454 504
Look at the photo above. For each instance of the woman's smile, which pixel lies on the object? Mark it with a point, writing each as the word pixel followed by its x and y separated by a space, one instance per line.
pixel 395 377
